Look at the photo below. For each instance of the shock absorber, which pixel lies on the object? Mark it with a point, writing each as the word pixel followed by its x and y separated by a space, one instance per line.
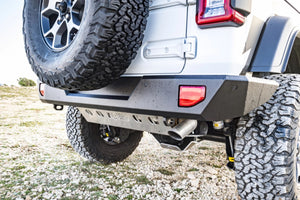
pixel 228 128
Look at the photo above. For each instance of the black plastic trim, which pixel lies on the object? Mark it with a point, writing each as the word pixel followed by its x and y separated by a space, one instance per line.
pixel 242 6
pixel 275 45
pixel 97 96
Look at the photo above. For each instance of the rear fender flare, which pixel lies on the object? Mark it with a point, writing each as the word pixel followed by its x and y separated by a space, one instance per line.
pixel 275 45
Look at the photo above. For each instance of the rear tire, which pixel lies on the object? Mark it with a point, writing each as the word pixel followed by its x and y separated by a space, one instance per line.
pixel 267 145
pixel 89 140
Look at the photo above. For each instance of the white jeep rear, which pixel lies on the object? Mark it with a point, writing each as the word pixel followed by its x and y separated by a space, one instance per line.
pixel 220 70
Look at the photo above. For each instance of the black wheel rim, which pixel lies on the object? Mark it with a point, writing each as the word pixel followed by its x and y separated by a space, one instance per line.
pixel 113 135
pixel 60 22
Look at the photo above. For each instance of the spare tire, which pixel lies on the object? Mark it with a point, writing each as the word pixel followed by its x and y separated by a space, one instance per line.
pixel 82 44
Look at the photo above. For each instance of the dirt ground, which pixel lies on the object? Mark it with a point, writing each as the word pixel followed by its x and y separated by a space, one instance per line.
pixel 37 161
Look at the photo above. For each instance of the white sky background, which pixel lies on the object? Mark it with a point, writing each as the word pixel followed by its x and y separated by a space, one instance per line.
pixel 13 60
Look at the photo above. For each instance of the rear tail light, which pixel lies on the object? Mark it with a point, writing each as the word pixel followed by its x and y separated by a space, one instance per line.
pixel 217 11
pixel 191 95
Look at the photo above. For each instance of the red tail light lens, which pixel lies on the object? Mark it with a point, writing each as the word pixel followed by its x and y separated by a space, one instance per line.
pixel 191 95
pixel 217 11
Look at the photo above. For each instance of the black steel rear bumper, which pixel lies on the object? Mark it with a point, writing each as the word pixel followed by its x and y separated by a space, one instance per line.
pixel 227 97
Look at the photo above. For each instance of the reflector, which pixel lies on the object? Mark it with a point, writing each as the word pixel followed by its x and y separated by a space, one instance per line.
pixel 42 89
pixel 191 95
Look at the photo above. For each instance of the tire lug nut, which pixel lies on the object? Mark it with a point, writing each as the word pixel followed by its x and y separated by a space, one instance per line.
pixel 68 16
pixel 60 19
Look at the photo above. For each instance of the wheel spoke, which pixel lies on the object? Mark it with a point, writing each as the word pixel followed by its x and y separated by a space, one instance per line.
pixel 74 2
pixel 57 30
pixel 51 6
pixel 72 25
pixel 60 21
pixel 72 30
pixel 77 3
pixel 75 12
pixel 77 7
pixel 53 30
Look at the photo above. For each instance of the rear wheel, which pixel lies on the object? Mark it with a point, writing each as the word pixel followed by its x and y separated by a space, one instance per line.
pixel 267 145
pixel 100 143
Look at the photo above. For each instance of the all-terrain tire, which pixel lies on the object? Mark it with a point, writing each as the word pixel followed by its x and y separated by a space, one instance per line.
pixel 86 140
pixel 266 146
pixel 109 36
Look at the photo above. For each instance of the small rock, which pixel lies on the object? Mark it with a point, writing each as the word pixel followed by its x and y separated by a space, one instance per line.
pixel 28 198
pixel 195 183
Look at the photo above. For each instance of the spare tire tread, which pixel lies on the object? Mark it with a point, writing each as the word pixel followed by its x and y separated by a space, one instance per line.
pixel 106 52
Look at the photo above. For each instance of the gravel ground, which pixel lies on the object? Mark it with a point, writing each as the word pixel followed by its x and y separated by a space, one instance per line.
pixel 37 161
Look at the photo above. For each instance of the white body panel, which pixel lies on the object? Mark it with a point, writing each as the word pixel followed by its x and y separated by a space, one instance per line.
pixel 217 51
pixel 295 3
pixel 167 22
pixel 217 48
